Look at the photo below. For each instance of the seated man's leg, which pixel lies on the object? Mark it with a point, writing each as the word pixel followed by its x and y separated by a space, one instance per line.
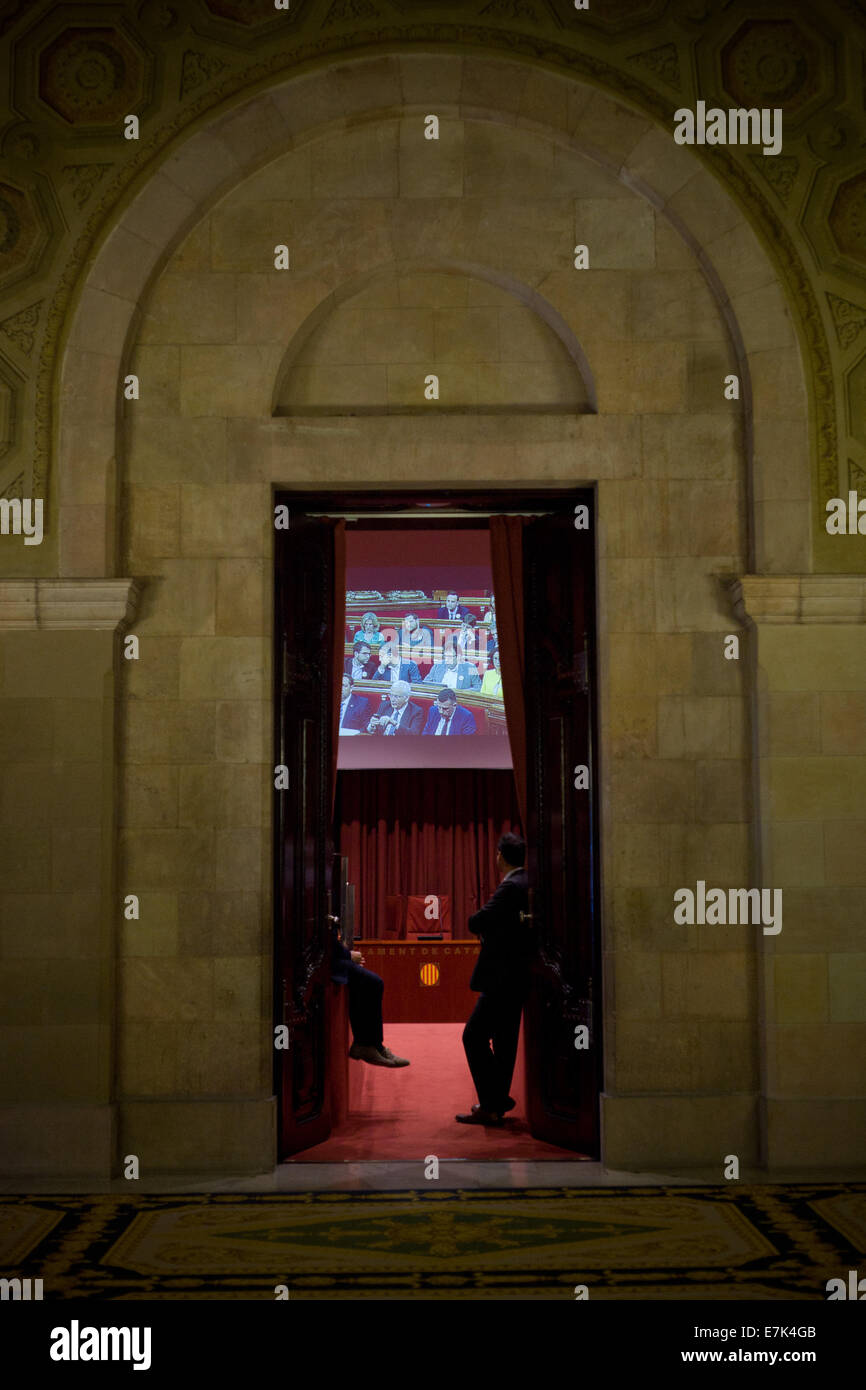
pixel 365 1005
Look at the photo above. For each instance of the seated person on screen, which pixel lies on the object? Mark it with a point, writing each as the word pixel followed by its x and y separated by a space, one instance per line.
pixel 415 641
pixel 457 675
pixel 365 1007
pixel 360 665
pixel 447 717
pixel 369 629
pixel 453 609
pixel 466 637
pixel 492 681
pixel 391 668
pixel 397 714
pixel 354 709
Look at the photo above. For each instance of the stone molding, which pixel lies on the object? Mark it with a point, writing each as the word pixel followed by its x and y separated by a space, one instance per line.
pixel 67 604
pixel 799 598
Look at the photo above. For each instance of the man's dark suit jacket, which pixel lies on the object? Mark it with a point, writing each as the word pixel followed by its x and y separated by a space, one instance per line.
pixel 462 611
pixel 340 958
pixel 408 672
pixel 507 944
pixel 369 668
pixel 462 722
pixel 357 713
pixel 411 722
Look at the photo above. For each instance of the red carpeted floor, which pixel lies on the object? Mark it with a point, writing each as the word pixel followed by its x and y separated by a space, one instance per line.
pixel 408 1112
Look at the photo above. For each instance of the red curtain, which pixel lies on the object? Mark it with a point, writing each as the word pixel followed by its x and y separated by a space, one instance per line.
pixel 506 557
pixel 425 832
pixel 337 643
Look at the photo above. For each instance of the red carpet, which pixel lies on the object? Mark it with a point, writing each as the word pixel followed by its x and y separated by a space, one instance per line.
pixel 408 1112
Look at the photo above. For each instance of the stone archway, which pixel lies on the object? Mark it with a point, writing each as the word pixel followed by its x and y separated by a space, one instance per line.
pixel 253 132
pixel 195 472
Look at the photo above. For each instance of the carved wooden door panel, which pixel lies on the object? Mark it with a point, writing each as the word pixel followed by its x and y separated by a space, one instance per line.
pixel 563 1080
pixel 303 851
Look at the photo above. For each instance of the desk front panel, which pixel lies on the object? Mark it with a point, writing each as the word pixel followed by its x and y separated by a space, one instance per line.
pixel 447 997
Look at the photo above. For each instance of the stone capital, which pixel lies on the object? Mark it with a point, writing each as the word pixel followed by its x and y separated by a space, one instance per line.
pixel 798 598
pixel 67 604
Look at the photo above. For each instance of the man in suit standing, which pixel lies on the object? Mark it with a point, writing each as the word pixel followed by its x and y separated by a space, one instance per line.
pixel 453 609
pixel 501 977
pixel 397 714
pixel 354 709
pixel 447 717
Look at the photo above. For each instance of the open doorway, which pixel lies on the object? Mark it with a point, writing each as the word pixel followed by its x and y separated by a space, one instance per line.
pixel 409 601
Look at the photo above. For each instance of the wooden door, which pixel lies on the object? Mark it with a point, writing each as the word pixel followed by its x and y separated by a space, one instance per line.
pixel 563 1082
pixel 303 851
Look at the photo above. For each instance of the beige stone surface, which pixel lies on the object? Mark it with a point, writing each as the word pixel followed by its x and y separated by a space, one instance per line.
pixel 803 1132
pixel 809 788
pixel 179 599
pixel 822 1060
pixel 211 1135
pixel 844 858
pixel 796 854
pixel 430 168
pixel 612 130
pixel 692 447
pixel 223 668
pixel 619 235
pixel 226 380
pixel 153 524
pixel 640 378
pixel 242 598
pixel 191 307
pixel 800 984
pixel 156 930
pixel 228 521
pixel 793 723
pixel 847 982
pixel 169 731
pixel 228 923
pixel 158 370
pixel 55 1061
pixel 674 304
pixel 222 795
pixel 149 797
pixel 843 723
pixel 273 306
pixel 637 985
pixel 683 1131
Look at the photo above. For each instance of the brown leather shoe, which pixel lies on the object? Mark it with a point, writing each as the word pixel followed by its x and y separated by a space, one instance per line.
pixel 477 1116
pixel 391 1059
pixel 371 1055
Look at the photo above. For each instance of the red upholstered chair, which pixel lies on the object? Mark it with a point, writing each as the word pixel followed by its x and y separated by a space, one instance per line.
pixel 418 923
pixel 395 917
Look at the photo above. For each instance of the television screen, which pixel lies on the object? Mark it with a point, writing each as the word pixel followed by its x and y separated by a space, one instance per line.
pixel 421 683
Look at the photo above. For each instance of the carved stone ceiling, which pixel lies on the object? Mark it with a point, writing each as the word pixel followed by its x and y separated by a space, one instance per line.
pixel 76 70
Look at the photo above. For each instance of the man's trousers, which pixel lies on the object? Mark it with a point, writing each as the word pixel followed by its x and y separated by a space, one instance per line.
pixel 490 1042
pixel 365 1004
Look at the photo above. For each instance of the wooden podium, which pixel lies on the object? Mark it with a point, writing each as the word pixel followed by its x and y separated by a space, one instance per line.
pixel 425 981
